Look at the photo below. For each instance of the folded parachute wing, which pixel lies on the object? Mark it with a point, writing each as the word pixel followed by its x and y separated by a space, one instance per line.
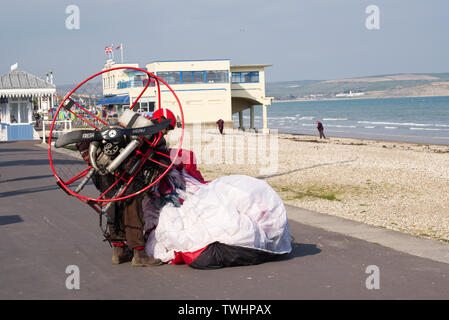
pixel 233 220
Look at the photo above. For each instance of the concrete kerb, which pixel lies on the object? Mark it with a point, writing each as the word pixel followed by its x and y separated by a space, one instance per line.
pixel 421 247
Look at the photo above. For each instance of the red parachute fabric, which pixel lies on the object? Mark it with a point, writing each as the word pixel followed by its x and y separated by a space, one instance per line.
pixel 186 257
pixel 187 159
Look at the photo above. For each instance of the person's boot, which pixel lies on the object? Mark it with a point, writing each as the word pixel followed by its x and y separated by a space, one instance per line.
pixel 121 254
pixel 141 259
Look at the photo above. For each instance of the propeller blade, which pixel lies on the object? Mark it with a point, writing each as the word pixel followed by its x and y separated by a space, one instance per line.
pixel 108 134
pixel 147 131
pixel 78 136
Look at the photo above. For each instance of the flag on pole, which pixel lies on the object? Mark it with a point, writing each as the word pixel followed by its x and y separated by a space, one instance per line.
pixel 108 50
pixel 121 50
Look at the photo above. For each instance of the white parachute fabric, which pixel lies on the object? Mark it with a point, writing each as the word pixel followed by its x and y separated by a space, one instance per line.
pixel 235 210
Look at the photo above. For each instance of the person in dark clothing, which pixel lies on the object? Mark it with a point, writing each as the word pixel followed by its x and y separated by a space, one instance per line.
pixel 220 124
pixel 126 221
pixel 320 128
pixel 126 225
pixel 37 118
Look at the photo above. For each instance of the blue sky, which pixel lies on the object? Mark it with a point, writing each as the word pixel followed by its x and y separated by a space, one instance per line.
pixel 319 39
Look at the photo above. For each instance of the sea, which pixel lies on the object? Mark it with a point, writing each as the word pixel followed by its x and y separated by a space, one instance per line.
pixel 420 119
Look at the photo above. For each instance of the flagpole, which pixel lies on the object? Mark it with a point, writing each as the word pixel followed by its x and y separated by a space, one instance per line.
pixel 121 51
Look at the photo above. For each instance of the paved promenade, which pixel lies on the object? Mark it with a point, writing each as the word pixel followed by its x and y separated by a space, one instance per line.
pixel 42 231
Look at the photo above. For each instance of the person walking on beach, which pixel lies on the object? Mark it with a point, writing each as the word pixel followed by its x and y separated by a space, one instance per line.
pixel 220 124
pixel 320 128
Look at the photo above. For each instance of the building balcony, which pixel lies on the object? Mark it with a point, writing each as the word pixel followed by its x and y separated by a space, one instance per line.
pixel 135 83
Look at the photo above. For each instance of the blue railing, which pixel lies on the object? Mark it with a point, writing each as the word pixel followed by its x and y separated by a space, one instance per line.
pixel 133 84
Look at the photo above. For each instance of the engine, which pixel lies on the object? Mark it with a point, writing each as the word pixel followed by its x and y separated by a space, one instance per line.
pixel 107 155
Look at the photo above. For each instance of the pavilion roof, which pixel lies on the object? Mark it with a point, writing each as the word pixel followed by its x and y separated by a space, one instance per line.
pixel 21 83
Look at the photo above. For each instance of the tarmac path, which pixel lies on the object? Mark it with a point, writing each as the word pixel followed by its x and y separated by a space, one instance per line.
pixel 43 231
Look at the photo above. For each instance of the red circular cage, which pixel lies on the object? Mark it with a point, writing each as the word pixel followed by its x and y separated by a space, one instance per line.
pixel 89 119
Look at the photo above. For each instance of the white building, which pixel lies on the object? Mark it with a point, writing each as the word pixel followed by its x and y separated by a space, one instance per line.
pixel 350 94
pixel 17 90
pixel 208 90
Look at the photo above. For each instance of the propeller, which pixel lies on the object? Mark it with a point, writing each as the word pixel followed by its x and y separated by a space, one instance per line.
pixel 78 136
pixel 108 133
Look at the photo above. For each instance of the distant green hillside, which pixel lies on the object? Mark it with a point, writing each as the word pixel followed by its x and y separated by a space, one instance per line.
pixel 328 89
pixel 90 88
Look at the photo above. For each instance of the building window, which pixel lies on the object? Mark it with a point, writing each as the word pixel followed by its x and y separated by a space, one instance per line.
pixel 216 76
pixel 174 77
pixel 245 77
pixel 236 77
pixel 19 112
pixel 192 77
pixel 137 81
pixel 123 84
pixel 144 107
pixel 198 76
pixel 163 76
pixel 14 113
pixel 186 77
pixel 23 110
pixel 152 82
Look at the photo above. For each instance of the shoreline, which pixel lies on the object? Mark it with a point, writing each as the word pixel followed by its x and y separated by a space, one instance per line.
pixel 378 124
pixel 369 139
pixel 385 139
pixel 355 98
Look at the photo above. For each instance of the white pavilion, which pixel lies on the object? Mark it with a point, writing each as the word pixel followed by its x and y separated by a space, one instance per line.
pixel 17 90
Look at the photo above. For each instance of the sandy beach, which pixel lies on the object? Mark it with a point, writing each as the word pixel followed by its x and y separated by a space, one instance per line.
pixel 394 185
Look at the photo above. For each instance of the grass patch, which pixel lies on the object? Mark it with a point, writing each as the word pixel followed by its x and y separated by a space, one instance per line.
pixel 425 235
pixel 332 192
pixel 311 192
pixel 330 197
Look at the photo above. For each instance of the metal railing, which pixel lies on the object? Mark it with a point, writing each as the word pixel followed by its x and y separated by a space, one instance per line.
pixel 60 127
pixel 134 84
pixel 81 124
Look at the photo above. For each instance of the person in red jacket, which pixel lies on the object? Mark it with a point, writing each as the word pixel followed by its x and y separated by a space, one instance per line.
pixel 220 124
